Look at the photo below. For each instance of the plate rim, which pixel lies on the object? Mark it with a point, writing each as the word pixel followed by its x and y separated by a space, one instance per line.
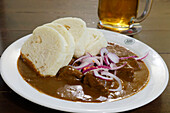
pixel 80 110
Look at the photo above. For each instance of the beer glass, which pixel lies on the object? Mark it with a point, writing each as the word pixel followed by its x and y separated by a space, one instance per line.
pixel 121 15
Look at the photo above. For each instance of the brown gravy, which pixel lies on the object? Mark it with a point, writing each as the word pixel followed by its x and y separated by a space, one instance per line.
pixel 59 88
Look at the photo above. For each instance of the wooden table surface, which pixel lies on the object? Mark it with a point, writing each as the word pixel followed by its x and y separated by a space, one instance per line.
pixel 20 17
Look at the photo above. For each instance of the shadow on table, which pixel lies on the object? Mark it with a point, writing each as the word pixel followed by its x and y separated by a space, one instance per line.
pixel 21 105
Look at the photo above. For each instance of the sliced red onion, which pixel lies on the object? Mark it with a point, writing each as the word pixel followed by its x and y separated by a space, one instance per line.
pixel 88 54
pixel 103 51
pixel 113 57
pixel 143 57
pixel 106 60
pixel 115 72
pixel 79 59
pixel 96 74
pixel 110 60
pixel 105 67
pixel 123 58
pixel 116 78
pixel 89 69
pixel 112 65
pixel 107 73
pixel 82 65
pixel 82 57
pixel 91 60
pixel 101 61
pixel 97 57
pixel 97 68
pixel 101 69
pixel 115 68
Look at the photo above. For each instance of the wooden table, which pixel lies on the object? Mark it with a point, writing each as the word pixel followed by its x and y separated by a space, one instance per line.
pixel 20 17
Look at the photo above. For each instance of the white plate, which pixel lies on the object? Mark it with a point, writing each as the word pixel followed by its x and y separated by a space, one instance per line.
pixel 159 77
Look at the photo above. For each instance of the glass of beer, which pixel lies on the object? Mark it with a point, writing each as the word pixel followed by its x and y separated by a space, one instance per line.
pixel 121 15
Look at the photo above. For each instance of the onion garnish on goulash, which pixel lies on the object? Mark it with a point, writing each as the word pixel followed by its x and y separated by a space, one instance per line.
pixel 101 65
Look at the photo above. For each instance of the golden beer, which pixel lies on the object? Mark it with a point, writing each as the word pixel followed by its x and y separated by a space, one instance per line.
pixel 117 14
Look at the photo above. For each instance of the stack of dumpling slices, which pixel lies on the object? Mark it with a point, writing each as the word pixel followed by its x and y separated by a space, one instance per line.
pixel 53 45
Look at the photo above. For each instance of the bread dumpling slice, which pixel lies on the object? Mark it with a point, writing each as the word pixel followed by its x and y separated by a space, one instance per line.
pixel 46 50
pixel 77 27
pixel 69 39
pixel 97 41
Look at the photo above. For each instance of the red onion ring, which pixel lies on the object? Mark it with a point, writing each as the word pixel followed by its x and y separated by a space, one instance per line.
pixel 102 67
pixel 112 65
pixel 123 58
pixel 98 68
pixel 116 68
pixel 79 59
pixel 114 77
pixel 113 57
pixel 96 74
pixel 100 59
pixel 91 60
pixel 88 54
pixel 82 65
pixel 89 69
pixel 103 51
pixel 106 60
pixel 143 57
pixel 110 60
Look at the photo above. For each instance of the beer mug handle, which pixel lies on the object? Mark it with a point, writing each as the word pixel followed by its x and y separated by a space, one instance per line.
pixel 145 12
